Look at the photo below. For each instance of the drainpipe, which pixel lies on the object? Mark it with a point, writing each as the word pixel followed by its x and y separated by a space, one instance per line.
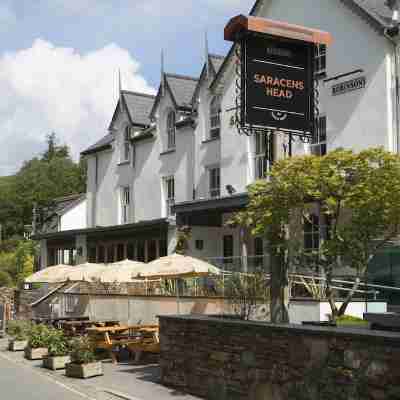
pixel 395 45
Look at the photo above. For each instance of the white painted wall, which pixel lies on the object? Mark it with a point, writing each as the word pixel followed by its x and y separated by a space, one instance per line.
pixel 75 217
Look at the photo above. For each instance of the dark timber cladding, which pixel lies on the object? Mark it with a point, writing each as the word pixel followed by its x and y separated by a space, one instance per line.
pixel 208 212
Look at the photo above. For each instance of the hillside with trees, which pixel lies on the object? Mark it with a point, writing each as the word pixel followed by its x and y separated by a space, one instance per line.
pixel 38 182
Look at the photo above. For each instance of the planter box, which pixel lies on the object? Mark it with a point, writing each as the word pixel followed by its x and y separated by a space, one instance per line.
pixel 84 370
pixel 35 354
pixel 17 345
pixel 55 363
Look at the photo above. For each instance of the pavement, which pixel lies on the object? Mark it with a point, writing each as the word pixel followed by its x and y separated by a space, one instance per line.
pixel 21 379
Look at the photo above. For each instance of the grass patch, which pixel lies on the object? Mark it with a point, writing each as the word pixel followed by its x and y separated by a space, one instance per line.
pixel 350 321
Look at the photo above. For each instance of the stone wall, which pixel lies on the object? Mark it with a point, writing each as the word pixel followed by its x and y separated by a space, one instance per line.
pixel 236 360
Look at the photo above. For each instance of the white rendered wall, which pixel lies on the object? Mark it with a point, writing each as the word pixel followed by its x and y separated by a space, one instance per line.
pixel 355 308
pixel 74 218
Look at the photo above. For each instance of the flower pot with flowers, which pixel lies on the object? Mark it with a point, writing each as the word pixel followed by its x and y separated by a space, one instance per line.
pixel 18 330
pixel 37 342
pixel 58 350
pixel 83 360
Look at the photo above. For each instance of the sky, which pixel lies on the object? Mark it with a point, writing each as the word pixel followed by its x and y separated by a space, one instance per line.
pixel 59 62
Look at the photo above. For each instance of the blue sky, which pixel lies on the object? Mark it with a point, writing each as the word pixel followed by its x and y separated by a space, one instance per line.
pixel 59 61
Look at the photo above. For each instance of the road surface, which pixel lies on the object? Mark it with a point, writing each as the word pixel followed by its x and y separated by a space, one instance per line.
pixel 19 382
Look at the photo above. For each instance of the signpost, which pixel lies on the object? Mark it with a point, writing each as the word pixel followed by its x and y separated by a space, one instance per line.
pixel 276 92
pixel 278 84
pixel 276 76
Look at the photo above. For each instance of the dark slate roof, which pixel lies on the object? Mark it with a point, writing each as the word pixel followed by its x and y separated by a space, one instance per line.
pixel 58 207
pixel 139 106
pixel 102 144
pixel 182 88
pixel 376 9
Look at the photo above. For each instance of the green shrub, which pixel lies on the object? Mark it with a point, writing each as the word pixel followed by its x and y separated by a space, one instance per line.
pixel 5 279
pixel 82 351
pixel 39 336
pixel 57 344
pixel 19 329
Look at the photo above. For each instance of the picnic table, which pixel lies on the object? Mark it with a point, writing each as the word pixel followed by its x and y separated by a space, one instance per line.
pixel 136 338
pixel 75 327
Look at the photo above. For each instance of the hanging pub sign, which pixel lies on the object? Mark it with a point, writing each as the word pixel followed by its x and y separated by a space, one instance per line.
pixel 277 74
pixel 278 84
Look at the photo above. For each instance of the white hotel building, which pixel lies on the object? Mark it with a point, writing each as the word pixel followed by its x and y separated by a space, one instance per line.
pixel 173 159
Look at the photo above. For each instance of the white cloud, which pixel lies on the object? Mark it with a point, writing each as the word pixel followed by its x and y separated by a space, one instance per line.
pixel 47 88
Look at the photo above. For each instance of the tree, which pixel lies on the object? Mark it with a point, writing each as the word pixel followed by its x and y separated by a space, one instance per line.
pixel 358 194
pixel 39 181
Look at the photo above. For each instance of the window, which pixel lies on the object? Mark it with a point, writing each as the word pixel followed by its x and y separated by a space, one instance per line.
pixel 318 146
pixel 101 255
pixel 215 117
pixel 125 201
pixel 130 251
pixel 151 250
pixel 263 144
pixel 141 252
pixel 228 249
pixel 171 119
pixel 320 60
pixel 311 233
pixel 110 254
pixel 120 251
pixel 71 303
pixel 126 148
pixel 215 182
pixel 169 195
pixel 163 247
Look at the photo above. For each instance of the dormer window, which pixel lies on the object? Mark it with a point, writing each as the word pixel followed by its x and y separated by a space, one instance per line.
pixel 215 117
pixel 171 119
pixel 126 146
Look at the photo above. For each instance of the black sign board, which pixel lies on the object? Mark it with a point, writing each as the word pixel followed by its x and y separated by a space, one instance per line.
pixel 349 86
pixel 278 84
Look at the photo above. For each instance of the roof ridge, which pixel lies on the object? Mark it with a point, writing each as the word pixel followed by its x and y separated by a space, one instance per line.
pixel 181 76
pixel 138 93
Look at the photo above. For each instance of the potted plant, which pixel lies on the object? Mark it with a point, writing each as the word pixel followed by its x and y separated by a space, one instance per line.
pixel 58 350
pixel 37 343
pixel 83 360
pixel 19 332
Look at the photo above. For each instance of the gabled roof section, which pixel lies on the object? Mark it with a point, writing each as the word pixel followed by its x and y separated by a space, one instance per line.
pixel 103 144
pixel 138 106
pixel 215 61
pixel 181 89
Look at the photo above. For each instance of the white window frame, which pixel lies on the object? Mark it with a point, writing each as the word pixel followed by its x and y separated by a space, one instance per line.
pixel 126 145
pixel 318 146
pixel 169 188
pixel 320 60
pixel 214 183
pixel 171 129
pixel 125 202
pixel 261 163
pixel 215 118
